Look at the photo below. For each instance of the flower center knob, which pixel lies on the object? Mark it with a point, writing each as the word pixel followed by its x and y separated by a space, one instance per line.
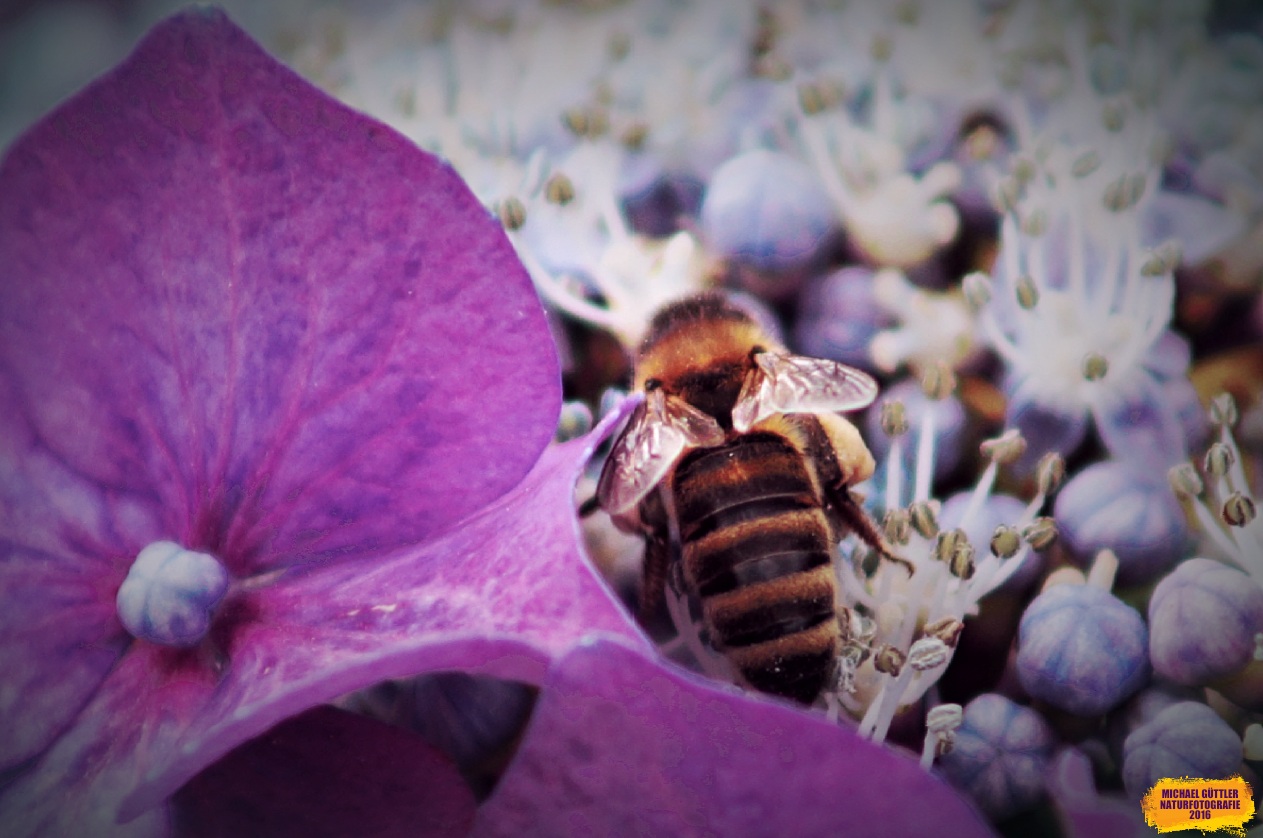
pixel 170 594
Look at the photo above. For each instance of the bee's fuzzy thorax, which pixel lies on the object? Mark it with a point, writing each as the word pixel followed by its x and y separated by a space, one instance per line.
pixel 700 333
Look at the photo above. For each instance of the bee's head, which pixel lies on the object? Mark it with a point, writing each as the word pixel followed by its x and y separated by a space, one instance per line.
pixel 699 348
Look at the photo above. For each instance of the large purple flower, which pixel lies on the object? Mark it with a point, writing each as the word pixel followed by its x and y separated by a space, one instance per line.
pixel 239 318
pixel 621 745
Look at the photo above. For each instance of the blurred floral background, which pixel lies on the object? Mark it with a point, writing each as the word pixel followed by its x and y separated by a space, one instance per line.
pixel 1038 224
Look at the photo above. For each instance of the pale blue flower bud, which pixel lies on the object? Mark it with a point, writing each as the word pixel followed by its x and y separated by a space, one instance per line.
pixel 170 594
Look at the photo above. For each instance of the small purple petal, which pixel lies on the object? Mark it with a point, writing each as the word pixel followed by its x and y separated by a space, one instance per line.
pixel 1140 424
pixel 1081 649
pixel 1045 427
pixel 1202 227
pixel 1184 740
pixel 170 594
pixel 328 772
pixel 622 745
pixel 1203 618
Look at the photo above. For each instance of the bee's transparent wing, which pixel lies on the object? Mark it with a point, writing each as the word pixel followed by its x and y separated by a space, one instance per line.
pixel 660 430
pixel 783 383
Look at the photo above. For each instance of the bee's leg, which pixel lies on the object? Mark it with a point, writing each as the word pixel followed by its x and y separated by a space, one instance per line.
pixel 852 515
pixel 654 576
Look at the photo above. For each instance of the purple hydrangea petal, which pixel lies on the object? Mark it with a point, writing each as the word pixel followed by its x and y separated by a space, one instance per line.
pixel 238 316
pixel 621 745
pixel 502 595
pixel 328 772
pixel 1201 226
pixel 250 309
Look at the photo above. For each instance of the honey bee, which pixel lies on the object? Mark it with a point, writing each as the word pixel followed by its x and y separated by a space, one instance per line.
pixel 737 465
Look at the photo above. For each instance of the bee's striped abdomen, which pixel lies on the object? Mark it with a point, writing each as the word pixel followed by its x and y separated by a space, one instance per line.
pixel 757 551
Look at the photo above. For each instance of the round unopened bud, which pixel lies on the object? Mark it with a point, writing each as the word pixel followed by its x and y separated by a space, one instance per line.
pixel 1049 472
pixel 1005 448
pixel 1005 542
pixel 894 418
pixel 574 422
pixel 896 524
pixel 512 213
pixel 1238 510
pixel 977 289
pixel 1085 164
pixel 889 660
pixel 1027 293
pixel 1219 458
pixel 948 629
pixel 1223 410
pixel 1095 366
pixel 170 594
pixel 1035 224
pixel 928 653
pixel 944 718
pixel 939 381
pixel 924 518
pixel 559 190
pixel 1185 480
pixel 1041 532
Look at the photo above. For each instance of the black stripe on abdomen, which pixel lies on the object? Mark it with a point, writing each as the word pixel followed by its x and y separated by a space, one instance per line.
pixel 759 551
pixel 772 620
